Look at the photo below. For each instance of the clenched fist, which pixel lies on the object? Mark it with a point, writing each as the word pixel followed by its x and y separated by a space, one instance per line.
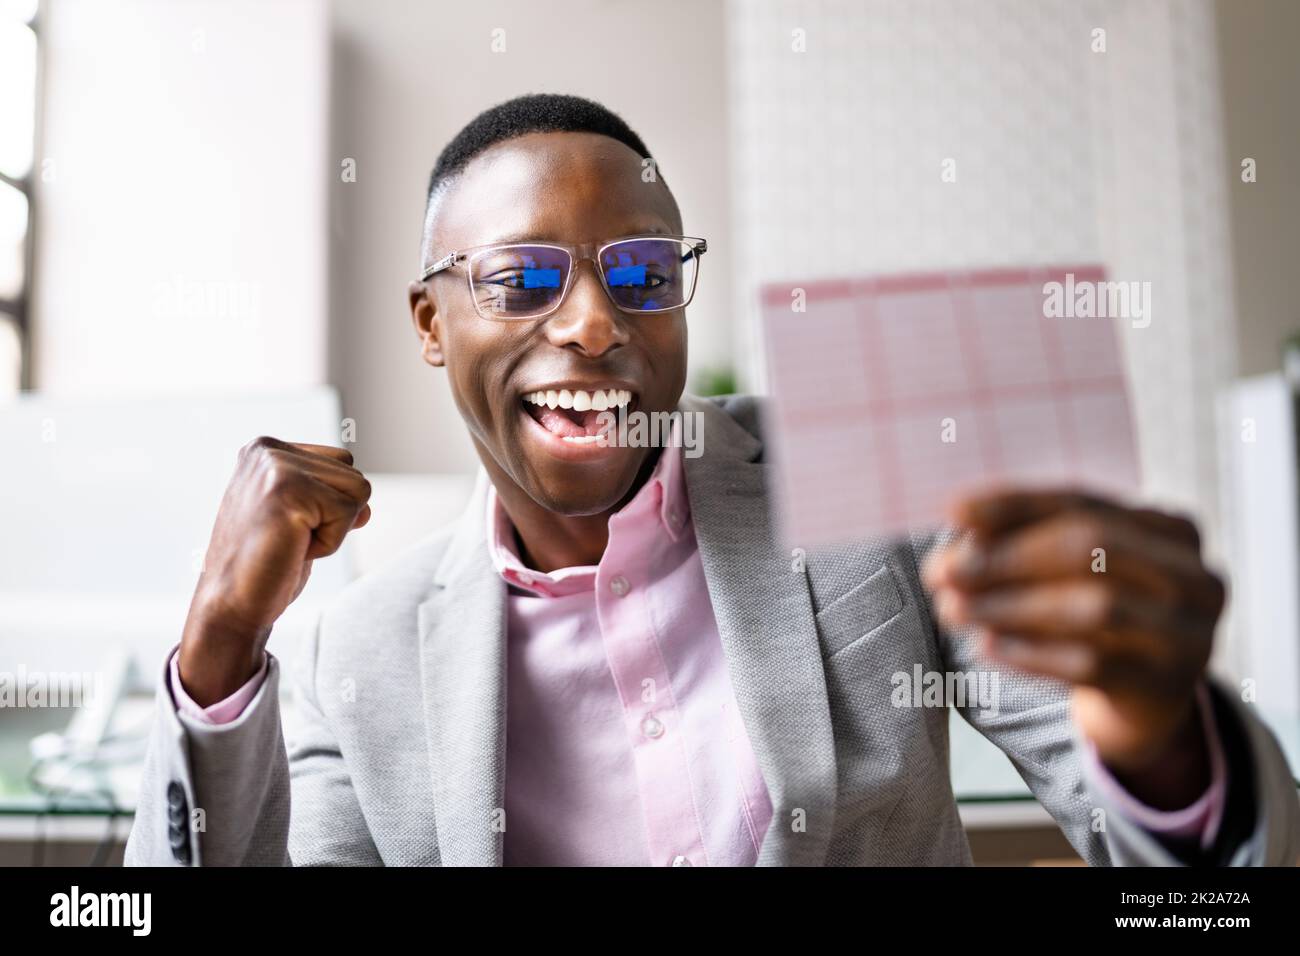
pixel 286 505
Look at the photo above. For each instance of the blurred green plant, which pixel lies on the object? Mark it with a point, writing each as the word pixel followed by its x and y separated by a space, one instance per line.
pixel 719 380
pixel 1291 360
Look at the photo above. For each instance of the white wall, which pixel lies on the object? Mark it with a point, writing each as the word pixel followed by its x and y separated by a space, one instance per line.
pixel 407 76
pixel 1063 156
pixel 1261 76
pixel 180 211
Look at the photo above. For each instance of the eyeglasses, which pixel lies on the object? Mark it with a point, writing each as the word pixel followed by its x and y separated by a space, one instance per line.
pixel 530 280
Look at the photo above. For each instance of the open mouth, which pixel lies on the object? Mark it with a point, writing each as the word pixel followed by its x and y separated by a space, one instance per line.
pixel 573 415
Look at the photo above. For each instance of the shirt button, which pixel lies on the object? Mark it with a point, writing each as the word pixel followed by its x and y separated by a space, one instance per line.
pixel 652 727
pixel 680 860
pixel 619 585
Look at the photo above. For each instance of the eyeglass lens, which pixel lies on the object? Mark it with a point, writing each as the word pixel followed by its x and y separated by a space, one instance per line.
pixel 641 275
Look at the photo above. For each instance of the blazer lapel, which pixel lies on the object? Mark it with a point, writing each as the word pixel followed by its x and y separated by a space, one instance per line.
pixel 462 664
pixel 765 619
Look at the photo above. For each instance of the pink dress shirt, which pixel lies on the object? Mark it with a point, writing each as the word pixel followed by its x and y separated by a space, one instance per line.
pixel 623 742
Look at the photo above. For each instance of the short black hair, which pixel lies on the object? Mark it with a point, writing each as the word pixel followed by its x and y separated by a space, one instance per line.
pixel 533 113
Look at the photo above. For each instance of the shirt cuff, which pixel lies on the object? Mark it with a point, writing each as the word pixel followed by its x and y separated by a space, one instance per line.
pixel 1201 818
pixel 223 711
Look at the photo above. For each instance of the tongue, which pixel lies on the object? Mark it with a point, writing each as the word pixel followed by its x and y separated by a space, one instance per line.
pixel 566 422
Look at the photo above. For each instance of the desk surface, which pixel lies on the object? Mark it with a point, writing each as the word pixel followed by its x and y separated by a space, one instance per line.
pixel 102 788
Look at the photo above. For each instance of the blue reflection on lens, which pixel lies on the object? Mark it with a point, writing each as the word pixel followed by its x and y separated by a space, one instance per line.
pixel 626 275
pixel 541 278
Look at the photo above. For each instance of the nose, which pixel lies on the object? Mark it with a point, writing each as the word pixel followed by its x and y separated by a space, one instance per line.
pixel 588 321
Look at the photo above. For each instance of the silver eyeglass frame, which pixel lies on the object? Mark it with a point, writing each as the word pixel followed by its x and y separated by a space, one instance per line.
pixel 577 253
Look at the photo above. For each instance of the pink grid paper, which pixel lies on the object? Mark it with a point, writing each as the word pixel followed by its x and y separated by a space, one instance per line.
pixel 869 379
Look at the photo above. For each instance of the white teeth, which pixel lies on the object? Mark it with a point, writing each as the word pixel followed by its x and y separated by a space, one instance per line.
pixel 580 439
pixel 581 400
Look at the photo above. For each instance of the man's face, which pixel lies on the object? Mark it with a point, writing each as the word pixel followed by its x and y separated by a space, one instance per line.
pixel 565 188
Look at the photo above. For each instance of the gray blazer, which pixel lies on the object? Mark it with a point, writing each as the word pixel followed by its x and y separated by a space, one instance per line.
pixel 400 756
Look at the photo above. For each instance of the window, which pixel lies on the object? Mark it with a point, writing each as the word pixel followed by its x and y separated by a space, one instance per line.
pixel 18 92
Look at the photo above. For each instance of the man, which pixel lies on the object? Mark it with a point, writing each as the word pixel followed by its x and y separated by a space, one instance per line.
pixel 610 660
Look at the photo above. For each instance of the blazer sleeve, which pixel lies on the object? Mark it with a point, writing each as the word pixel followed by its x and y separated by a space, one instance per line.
pixel 328 828
pixel 1261 825
pixel 219 794
pixel 1032 726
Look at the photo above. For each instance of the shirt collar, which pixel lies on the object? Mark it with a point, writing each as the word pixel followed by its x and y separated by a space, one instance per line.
pixel 664 490
pixel 674 505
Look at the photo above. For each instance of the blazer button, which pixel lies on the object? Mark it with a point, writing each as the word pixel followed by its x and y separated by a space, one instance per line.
pixel 178 831
pixel 180 842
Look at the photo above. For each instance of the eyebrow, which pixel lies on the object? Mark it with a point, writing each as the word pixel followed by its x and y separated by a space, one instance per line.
pixel 520 237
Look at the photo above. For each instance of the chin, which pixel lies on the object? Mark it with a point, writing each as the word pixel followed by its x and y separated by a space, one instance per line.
pixel 584 489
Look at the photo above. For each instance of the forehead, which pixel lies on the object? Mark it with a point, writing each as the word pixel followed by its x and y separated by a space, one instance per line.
pixel 566 187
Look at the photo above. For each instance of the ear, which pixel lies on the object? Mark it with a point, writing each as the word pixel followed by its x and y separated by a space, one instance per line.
pixel 428 325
